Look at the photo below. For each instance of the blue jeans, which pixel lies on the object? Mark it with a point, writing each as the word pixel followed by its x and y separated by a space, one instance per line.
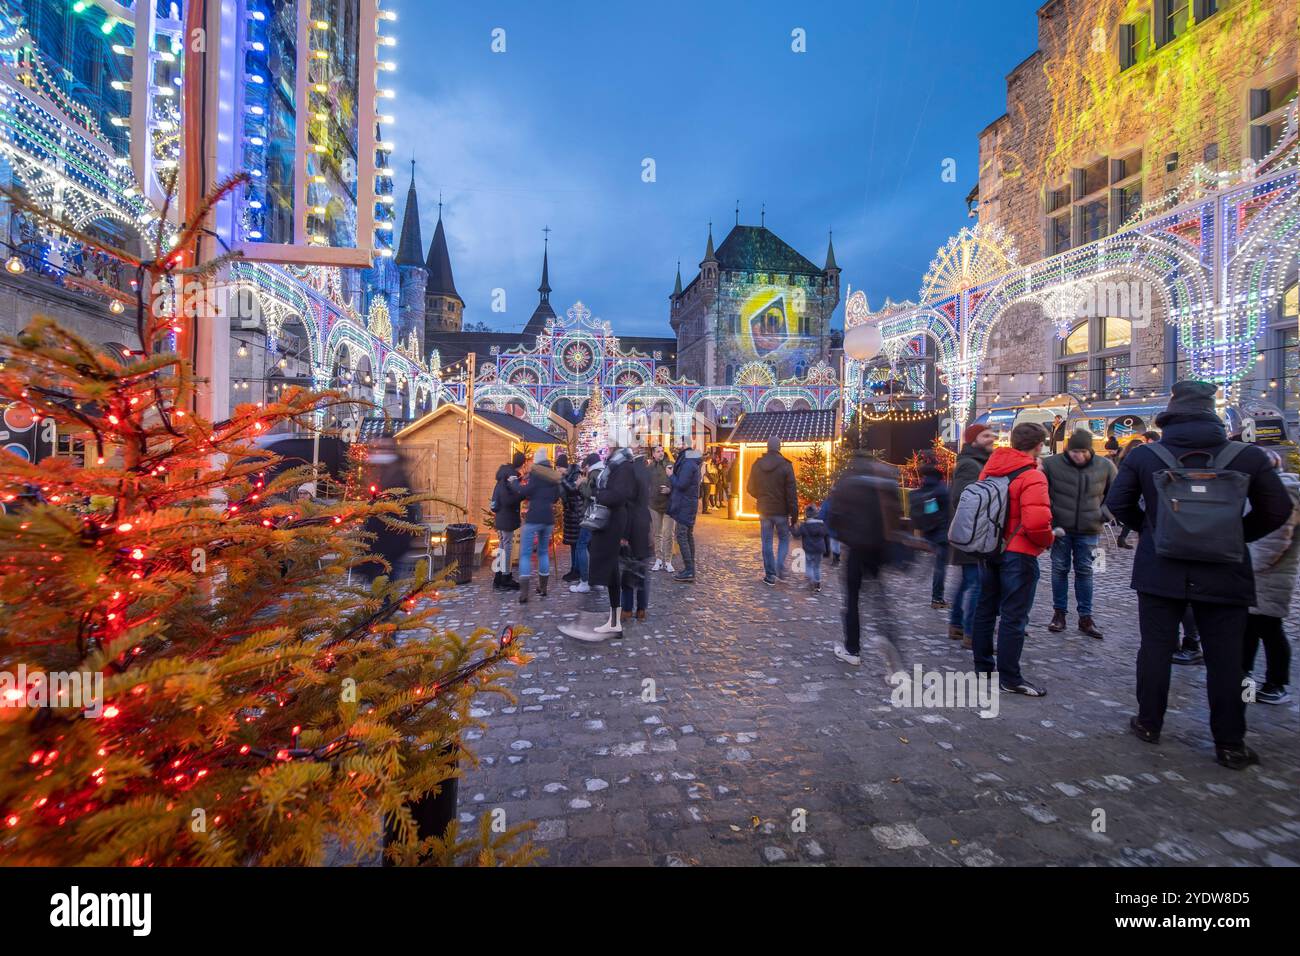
pixel 641 596
pixel 835 546
pixel 964 601
pixel 1006 590
pixel 506 543
pixel 1076 547
pixel 580 556
pixel 535 536
pixel 812 569
pixel 775 566
pixel 940 549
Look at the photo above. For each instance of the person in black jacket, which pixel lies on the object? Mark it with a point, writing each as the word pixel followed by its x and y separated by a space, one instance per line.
pixel 684 491
pixel 617 489
pixel 1219 594
pixel 571 497
pixel 815 538
pixel 542 490
pixel 928 506
pixel 634 583
pixel 771 484
pixel 505 513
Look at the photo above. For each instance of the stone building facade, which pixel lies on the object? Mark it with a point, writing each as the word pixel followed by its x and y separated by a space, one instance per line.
pixel 1124 103
pixel 755 299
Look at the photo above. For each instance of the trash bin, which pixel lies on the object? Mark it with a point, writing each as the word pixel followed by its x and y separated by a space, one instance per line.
pixel 460 550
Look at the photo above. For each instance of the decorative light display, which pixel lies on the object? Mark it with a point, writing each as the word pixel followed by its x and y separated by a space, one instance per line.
pixel 579 354
pixel 1216 265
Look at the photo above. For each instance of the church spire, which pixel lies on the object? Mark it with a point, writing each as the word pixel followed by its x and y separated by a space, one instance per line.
pixel 677 289
pixel 410 248
pixel 708 252
pixel 830 252
pixel 545 288
pixel 439 263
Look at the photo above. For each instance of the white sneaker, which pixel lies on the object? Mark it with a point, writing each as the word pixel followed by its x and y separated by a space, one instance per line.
pixel 582 587
pixel 846 657
pixel 668 566
pixel 658 565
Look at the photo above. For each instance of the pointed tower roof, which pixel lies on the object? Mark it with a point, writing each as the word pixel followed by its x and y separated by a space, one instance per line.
pixel 410 248
pixel 708 252
pixel 677 289
pixel 830 252
pixel 543 313
pixel 439 264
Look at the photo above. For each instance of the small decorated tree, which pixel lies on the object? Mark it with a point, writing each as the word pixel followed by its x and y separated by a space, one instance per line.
pixel 191 675
pixel 592 434
pixel 819 468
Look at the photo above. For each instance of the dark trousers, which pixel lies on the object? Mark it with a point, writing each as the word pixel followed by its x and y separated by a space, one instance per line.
pixel 1277 652
pixel 686 545
pixel 856 573
pixel 1223 629
pixel 635 595
pixel 1007 587
pixel 613 582
pixel 940 549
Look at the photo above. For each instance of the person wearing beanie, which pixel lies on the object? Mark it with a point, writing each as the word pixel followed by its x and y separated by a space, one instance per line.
pixel 1008 581
pixel 505 518
pixel 574 506
pixel 591 468
pixel 815 537
pixel 1220 594
pixel 977 445
pixel 772 486
pixel 1078 481
pixel 928 506
pixel 541 490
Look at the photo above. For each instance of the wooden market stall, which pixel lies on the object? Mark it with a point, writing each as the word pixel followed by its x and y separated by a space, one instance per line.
pixel 798 431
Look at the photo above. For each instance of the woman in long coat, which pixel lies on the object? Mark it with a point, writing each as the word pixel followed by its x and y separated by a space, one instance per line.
pixel 617 489
pixel 573 509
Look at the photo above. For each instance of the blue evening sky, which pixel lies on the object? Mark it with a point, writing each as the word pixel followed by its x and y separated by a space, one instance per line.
pixel 850 135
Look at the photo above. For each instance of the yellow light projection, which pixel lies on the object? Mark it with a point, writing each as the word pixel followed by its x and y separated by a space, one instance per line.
pixel 770 321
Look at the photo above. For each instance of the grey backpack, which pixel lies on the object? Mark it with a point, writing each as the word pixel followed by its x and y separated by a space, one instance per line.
pixel 979 523
pixel 1199 510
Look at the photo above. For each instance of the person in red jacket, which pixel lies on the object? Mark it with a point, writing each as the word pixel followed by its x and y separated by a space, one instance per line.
pixel 1008 581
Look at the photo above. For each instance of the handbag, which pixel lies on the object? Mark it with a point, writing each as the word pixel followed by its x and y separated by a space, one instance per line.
pixel 595 517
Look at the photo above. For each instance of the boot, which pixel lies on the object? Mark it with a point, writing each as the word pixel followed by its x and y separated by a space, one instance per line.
pixel 572 576
pixel 524 587
pixel 508 583
pixel 955 633
pixel 541 586
pixel 1086 626
pixel 497 578
pixel 615 623
pixel 1058 622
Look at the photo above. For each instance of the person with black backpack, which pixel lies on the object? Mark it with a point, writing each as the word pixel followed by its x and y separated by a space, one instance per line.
pixel 1186 494
pixel 928 507
pixel 865 514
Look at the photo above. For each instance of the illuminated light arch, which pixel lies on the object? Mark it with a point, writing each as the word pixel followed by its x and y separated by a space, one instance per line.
pixel 507 372
pixel 786 395
pixel 624 367
pixel 502 394
pixel 719 395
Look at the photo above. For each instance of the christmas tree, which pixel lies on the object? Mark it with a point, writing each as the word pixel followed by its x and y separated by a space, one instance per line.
pixel 819 468
pixel 592 434
pixel 187 675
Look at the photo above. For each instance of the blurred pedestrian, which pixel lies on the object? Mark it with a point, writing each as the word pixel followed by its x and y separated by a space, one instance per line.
pixel 541 490
pixel 1274 558
pixel 574 505
pixel 592 465
pixel 928 506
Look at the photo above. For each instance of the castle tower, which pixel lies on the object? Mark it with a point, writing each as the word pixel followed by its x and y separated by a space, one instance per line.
pixel 543 313
pixel 444 309
pixel 411 273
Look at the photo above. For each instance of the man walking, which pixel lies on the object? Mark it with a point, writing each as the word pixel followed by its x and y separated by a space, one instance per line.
pixel 661 525
pixel 1008 580
pixel 977 445
pixel 1078 482
pixel 1219 592
pixel 771 484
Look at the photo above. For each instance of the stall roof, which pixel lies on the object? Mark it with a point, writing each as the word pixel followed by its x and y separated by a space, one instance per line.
pixel 501 421
pixel 376 427
pixel 800 426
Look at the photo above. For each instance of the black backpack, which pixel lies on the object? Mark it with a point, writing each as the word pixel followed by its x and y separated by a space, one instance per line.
pixel 1199 510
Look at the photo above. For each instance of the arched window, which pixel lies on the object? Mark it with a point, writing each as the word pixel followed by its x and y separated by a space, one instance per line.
pixel 1287 362
pixel 1094 360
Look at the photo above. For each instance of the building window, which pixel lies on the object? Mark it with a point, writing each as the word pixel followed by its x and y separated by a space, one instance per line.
pixel 1268 109
pixel 1171 18
pixel 1288 364
pixel 1058 234
pixel 1094 360
pixel 1134 42
pixel 1129 199
pixel 1093 220
pixel 1205 8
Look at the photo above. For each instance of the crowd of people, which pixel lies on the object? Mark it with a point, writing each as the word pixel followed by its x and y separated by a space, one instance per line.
pixel 1214 568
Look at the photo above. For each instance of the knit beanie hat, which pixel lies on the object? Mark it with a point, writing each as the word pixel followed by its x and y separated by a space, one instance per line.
pixel 518 460
pixel 1081 440
pixel 1189 398
pixel 972 432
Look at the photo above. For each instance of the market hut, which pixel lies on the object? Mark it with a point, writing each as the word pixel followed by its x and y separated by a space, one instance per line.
pixel 799 433
pixel 434 450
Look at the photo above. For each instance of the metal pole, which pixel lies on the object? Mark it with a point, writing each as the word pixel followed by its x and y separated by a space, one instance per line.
pixel 471 361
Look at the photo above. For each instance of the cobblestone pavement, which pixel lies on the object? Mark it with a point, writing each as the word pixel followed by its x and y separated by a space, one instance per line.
pixel 759 747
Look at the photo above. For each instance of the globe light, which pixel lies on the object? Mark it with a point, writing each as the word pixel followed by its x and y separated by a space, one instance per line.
pixel 863 342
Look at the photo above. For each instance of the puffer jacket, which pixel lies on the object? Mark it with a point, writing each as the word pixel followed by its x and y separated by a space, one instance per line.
pixel 574 504
pixel 542 490
pixel 772 486
pixel 970 463
pixel 1078 492
pixel 1275 558
pixel 1029 507
pixel 815 537
pixel 684 500
pixel 506 494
